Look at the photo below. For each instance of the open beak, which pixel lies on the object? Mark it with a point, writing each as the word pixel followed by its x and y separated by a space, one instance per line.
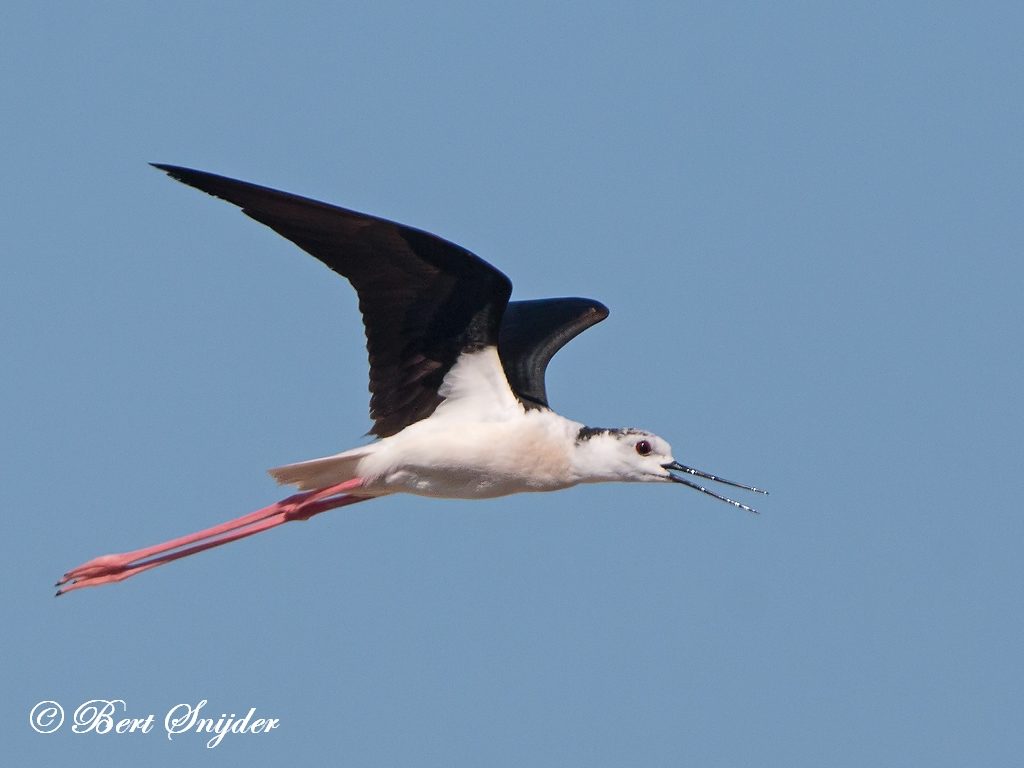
pixel 675 466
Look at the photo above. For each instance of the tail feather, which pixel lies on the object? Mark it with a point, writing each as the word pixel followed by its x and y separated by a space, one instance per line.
pixel 319 473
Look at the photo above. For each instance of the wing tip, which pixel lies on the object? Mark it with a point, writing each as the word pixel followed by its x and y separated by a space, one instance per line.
pixel 166 168
pixel 180 173
pixel 213 184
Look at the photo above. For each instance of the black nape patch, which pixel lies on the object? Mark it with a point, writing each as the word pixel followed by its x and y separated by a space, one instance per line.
pixel 586 433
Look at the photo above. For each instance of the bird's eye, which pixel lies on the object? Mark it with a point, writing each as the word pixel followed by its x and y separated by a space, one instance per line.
pixel 643 447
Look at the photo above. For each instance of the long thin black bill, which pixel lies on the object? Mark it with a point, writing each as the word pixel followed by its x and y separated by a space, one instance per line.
pixel 702 489
pixel 707 476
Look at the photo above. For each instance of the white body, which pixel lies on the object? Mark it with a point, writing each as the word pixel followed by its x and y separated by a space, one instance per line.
pixel 474 460
pixel 479 443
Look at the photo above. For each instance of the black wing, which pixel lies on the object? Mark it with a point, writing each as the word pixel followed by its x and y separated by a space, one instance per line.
pixel 532 332
pixel 423 300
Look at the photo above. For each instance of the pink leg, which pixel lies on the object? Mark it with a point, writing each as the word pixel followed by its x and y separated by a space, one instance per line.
pixel 302 506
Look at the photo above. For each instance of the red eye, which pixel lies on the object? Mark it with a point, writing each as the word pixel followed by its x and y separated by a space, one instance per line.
pixel 643 448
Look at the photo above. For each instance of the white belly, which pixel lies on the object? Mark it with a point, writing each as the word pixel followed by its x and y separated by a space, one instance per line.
pixel 475 460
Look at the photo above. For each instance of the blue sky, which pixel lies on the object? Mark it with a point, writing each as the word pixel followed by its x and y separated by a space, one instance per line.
pixel 807 222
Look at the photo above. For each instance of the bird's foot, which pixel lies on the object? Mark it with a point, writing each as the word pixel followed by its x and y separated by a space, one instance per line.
pixel 106 569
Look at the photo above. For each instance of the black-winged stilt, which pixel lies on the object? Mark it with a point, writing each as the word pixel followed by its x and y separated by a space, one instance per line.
pixel 456 380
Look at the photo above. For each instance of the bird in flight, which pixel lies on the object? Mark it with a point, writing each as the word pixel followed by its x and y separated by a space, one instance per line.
pixel 458 402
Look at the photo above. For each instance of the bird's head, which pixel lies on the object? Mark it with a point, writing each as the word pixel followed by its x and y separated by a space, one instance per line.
pixel 638 456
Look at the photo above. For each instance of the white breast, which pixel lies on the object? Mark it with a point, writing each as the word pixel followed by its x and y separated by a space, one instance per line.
pixel 475 459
